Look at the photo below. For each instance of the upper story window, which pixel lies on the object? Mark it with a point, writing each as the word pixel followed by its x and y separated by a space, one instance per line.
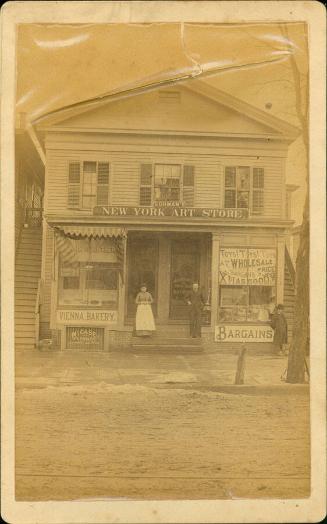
pixel 244 188
pixel 88 184
pixel 167 183
pixel 170 184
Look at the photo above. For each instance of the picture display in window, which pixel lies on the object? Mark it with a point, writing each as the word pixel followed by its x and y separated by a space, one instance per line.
pixel 247 278
pixel 88 184
pixel 244 185
pixel 167 183
pixel 245 303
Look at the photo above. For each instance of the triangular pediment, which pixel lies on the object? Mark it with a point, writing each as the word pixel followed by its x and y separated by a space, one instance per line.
pixel 181 109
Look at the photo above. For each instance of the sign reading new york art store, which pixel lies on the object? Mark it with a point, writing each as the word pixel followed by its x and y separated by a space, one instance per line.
pixel 170 211
pixel 247 267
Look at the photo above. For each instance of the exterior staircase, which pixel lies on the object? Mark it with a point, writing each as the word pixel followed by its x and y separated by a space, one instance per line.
pixel 289 293
pixel 27 276
pixel 168 338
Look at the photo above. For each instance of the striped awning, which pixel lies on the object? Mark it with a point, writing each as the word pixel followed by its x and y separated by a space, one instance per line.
pixel 92 231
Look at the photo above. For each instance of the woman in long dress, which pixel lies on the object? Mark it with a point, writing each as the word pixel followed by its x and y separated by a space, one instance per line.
pixel 144 322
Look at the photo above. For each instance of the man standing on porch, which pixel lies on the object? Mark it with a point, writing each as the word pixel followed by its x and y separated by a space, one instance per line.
pixel 195 302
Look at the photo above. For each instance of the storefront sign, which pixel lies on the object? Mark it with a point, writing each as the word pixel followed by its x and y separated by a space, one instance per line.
pixel 247 267
pixel 84 338
pixel 174 212
pixel 86 316
pixel 243 333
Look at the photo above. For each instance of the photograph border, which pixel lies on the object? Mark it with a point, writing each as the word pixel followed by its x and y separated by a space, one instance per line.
pixel 311 509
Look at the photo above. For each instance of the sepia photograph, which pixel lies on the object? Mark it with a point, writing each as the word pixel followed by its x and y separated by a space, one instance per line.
pixel 162 339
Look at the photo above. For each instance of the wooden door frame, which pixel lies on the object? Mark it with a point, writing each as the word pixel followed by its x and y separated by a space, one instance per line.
pixel 198 258
pixel 148 236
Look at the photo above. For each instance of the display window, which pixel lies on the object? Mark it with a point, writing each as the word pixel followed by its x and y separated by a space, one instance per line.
pixel 92 278
pixel 247 278
pixel 93 284
pixel 245 303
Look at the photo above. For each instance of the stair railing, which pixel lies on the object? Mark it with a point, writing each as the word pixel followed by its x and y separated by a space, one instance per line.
pixel 290 266
pixel 37 311
pixel 34 216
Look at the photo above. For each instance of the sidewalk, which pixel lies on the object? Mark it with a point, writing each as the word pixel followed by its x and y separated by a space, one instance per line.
pixel 208 369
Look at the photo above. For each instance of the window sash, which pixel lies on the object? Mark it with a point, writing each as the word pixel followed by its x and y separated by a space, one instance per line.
pixel 178 184
pixel 88 184
pixel 167 182
pixel 244 188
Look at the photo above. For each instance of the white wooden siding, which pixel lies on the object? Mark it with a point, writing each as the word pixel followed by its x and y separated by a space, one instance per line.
pixel 125 176
pixel 47 275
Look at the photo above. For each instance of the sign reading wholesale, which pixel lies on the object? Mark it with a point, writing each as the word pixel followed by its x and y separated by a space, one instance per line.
pixel 177 212
pixel 247 267
pixel 243 333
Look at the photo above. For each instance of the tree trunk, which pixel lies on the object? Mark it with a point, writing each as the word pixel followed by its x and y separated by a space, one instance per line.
pixel 301 330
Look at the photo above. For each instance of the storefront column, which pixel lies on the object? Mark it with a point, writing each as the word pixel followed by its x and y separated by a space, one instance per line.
pixel 122 290
pixel 163 294
pixel 280 269
pixel 214 278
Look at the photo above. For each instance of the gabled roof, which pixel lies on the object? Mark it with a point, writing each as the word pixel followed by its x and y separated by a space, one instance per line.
pixel 281 129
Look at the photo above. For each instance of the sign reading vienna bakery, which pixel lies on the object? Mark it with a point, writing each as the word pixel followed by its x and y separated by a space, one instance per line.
pixel 177 212
pixel 86 316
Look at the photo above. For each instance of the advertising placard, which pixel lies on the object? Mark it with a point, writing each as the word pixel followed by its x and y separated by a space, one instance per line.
pixel 87 316
pixel 243 333
pixel 247 267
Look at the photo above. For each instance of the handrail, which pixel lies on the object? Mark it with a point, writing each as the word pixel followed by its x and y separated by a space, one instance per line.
pixel 290 266
pixel 37 311
pixel 34 216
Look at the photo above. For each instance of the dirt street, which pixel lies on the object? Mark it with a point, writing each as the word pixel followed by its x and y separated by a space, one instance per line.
pixel 106 440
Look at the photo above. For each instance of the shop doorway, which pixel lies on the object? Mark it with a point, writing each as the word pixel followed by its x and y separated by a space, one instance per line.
pixel 142 267
pixel 185 269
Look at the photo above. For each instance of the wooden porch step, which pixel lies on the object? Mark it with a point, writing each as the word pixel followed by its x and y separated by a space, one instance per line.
pixel 167 348
pixel 162 341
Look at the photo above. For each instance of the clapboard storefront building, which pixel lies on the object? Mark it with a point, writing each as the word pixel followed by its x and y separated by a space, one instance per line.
pixel 164 186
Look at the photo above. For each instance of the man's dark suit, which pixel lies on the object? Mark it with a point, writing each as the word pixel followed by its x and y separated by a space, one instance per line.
pixel 195 312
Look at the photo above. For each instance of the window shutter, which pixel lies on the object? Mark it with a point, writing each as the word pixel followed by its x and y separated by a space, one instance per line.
pixel 146 185
pixel 188 186
pixel 103 184
pixel 74 176
pixel 258 191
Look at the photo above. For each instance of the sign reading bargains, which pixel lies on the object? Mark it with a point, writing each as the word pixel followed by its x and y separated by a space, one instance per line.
pixel 243 333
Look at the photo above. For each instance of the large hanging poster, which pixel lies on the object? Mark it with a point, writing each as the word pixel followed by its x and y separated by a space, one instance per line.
pixel 247 267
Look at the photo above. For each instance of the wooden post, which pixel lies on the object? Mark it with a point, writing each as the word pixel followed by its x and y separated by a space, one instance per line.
pixel 214 279
pixel 240 369
pixel 122 290
pixel 280 269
